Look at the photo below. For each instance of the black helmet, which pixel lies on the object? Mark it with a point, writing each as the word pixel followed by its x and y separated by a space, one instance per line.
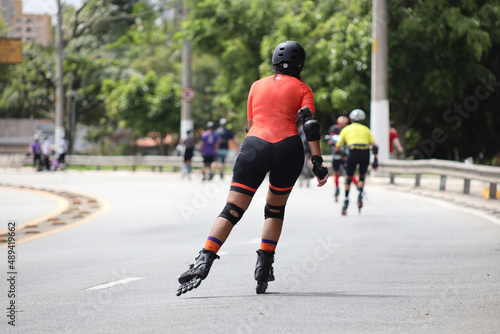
pixel 334 130
pixel 289 52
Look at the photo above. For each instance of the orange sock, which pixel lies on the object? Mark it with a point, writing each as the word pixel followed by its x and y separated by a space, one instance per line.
pixel 268 245
pixel 213 244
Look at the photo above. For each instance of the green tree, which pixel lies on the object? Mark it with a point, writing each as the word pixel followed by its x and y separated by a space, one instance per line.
pixel 28 88
pixel 230 32
pixel 243 35
pixel 337 40
pixel 438 53
pixel 147 104
pixel 88 61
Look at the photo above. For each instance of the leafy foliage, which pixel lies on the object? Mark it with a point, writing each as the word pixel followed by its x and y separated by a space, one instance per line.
pixel 123 61
pixel 146 104
pixel 439 54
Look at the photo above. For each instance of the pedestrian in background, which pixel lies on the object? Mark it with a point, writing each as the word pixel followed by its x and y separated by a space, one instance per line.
pixel 395 143
pixel 62 150
pixel 46 151
pixel 188 144
pixel 36 152
pixel 226 140
pixel 208 148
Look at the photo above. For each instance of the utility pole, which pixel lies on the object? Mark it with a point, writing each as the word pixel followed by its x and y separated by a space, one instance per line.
pixel 59 128
pixel 187 92
pixel 379 113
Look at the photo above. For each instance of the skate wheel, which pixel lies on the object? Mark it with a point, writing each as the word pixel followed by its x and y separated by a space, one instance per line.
pixel 261 287
pixel 197 282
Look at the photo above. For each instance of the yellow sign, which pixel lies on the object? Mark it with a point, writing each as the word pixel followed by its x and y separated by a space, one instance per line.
pixel 11 51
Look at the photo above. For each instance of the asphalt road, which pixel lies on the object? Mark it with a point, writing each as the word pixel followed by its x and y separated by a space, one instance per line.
pixel 407 264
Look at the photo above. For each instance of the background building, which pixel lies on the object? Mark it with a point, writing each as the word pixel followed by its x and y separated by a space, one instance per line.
pixel 31 28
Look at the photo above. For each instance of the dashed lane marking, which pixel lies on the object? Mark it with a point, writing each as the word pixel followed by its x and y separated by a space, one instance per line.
pixel 254 241
pixel 114 283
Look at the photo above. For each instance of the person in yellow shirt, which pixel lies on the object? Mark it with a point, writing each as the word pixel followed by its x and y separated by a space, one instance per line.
pixel 359 140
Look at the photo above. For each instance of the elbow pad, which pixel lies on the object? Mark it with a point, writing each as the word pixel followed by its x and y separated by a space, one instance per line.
pixel 375 149
pixel 311 130
pixel 304 114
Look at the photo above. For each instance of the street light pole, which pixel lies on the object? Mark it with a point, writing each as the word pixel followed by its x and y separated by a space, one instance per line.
pixel 59 128
pixel 187 92
pixel 72 95
pixel 379 120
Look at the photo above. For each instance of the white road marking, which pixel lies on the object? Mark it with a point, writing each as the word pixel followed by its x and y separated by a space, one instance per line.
pixel 254 241
pixel 110 284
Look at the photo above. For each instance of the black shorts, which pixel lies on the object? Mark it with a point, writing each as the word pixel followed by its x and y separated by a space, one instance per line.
pixel 188 154
pixel 283 160
pixel 208 159
pixel 357 158
pixel 338 165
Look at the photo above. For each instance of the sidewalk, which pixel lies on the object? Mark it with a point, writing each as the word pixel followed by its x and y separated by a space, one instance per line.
pixel 429 187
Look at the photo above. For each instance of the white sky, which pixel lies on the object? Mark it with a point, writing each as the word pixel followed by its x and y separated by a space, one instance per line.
pixel 45 6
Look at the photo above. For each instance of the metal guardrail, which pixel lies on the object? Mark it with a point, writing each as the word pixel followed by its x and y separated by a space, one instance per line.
pixel 98 161
pixel 445 169
pixel 153 161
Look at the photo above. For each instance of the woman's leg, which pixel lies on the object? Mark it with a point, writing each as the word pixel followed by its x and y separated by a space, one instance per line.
pixel 222 227
pixel 249 171
pixel 273 225
pixel 271 232
pixel 287 164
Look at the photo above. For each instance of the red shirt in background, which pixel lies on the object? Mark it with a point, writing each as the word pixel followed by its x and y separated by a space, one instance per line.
pixel 393 134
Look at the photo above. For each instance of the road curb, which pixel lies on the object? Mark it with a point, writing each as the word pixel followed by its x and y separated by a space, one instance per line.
pixel 74 209
pixel 489 209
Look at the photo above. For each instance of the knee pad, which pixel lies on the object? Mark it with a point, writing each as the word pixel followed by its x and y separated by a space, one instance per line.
pixel 348 181
pixel 270 214
pixel 362 178
pixel 232 212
